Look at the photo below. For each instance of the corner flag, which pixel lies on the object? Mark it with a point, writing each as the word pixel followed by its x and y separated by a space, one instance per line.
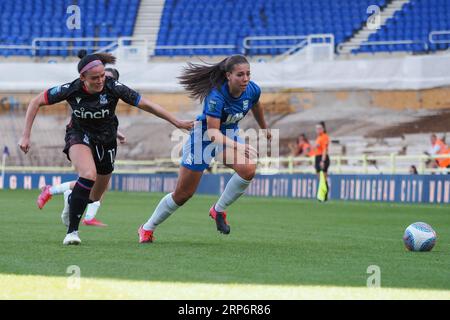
pixel 322 190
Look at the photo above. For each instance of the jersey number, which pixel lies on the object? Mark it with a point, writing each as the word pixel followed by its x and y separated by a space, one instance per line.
pixel 112 155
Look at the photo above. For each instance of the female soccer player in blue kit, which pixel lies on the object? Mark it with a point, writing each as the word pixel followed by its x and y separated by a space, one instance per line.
pixel 227 95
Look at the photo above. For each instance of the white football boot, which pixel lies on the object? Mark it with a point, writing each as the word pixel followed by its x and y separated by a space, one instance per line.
pixel 72 238
pixel 65 212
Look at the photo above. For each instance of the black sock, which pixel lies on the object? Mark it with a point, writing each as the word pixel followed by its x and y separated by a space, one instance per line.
pixel 78 201
pixel 70 197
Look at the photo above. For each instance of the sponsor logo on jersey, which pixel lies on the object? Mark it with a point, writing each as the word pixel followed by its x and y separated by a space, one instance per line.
pixel 233 118
pixel 66 86
pixel 86 139
pixel 78 99
pixel 117 83
pixel 83 114
pixel 245 104
pixel 103 99
pixel 55 90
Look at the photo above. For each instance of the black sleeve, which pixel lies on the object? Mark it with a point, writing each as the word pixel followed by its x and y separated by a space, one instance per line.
pixel 126 94
pixel 58 94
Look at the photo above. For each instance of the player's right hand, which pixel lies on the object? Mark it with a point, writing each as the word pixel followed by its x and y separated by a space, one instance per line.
pixel 24 144
pixel 247 150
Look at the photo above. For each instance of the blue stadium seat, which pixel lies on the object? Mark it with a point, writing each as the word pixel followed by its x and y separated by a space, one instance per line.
pixel 414 22
pixel 47 18
pixel 263 17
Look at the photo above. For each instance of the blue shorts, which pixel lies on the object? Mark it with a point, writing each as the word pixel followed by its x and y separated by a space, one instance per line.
pixel 198 151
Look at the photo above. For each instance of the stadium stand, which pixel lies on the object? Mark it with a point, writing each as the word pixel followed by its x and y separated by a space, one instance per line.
pixel 47 18
pixel 414 21
pixel 187 22
pixel 220 23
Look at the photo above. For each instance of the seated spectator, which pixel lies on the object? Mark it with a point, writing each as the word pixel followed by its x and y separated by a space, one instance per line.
pixel 413 170
pixel 438 147
pixel 302 148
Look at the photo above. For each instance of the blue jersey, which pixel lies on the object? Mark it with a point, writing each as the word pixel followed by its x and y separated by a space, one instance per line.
pixel 198 151
pixel 220 104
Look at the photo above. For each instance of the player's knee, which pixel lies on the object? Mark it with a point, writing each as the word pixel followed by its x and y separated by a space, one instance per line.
pixel 247 172
pixel 181 197
pixel 94 197
pixel 90 174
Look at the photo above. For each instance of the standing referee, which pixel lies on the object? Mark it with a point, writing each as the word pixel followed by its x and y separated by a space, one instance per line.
pixel 322 160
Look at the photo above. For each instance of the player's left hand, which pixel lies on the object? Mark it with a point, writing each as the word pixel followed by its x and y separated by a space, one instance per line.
pixel 185 124
pixel 121 137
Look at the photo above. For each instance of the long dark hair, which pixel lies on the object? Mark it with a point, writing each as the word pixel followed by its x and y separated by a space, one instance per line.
pixel 322 123
pixel 86 58
pixel 200 79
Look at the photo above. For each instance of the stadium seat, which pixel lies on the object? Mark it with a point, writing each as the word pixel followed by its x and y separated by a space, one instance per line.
pixel 414 22
pixel 47 18
pixel 266 18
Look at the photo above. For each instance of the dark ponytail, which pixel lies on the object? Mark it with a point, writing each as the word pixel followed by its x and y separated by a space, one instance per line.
pixel 87 58
pixel 200 79
pixel 114 72
pixel 322 123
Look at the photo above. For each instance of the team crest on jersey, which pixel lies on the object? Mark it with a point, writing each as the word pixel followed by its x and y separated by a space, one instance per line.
pixel 245 104
pixel 103 99
pixel 212 105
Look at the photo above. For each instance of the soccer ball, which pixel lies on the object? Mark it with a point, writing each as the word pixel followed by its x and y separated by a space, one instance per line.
pixel 419 236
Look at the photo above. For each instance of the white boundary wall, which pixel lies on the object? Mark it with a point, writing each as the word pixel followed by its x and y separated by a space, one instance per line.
pixel 399 73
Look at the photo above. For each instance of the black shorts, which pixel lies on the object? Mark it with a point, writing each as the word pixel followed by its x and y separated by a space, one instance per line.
pixel 325 165
pixel 104 154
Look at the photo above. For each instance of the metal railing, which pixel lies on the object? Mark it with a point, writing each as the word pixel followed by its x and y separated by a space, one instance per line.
pixel 303 42
pixel 146 43
pixel 435 34
pixel 433 38
pixel 341 46
pixel 362 164
pixel 129 44
pixel 73 44
pixel 246 42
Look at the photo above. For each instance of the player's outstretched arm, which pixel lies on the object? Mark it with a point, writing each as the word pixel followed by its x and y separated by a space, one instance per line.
pixel 32 111
pixel 162 113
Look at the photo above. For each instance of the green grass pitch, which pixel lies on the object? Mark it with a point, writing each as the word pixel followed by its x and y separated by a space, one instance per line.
pixel 277 249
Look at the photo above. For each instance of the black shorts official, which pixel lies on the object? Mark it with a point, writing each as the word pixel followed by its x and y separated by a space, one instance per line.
pixel 325 165
pixel 104 154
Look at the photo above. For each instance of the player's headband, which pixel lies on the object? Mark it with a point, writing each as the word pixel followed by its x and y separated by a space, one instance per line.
pixel 91 65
